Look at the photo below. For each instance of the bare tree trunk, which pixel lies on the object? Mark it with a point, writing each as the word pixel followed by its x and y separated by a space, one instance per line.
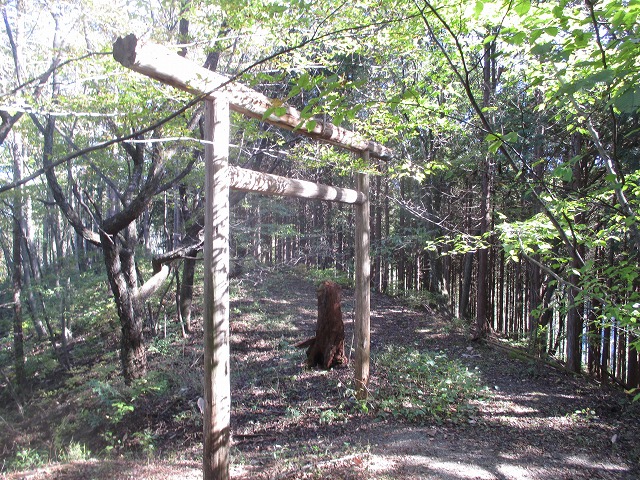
pixel 186 292
pixel 606 341
pixel 31 301
pixel 574 327
pixel 576 309
pixel 18 334
pixel 387 230
pixel 537 343
pixel 376 274
pixel 482 308
pixel 633 367
pixel 482 318
pixel 119 262
pixel 465 290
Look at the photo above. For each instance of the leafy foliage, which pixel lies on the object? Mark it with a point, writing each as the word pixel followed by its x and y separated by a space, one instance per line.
pixel 424 386
pixel 333 274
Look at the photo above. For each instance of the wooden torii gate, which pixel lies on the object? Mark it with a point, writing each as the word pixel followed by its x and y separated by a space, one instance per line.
pixel 221 95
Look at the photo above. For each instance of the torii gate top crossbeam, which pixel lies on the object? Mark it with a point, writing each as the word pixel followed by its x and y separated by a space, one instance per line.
pixel 170 68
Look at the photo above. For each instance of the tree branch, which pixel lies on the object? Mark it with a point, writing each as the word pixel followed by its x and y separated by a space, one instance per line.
pixel 52 164
pixel 487 125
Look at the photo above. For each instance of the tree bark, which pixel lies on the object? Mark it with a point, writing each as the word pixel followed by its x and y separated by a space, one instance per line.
pixel 18 334
pixel 633 367
pixel 251 181
pixel 123 281
pixel 363 288
pixel 31 301
pixel 465 290
pixel 483 292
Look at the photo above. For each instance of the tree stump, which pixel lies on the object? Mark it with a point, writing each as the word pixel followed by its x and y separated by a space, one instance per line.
pixel 326 349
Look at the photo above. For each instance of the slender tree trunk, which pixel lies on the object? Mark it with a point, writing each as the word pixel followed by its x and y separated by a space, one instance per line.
pixel 65 332
pixel 606 340
pixel 621 363
pixel 595 340
pixel 574 328
pixel 536 344
pixel 186 292
pixel 576 309
pixel 18 334
pixel 465 289
pixel 387 230
pixel 31 301
pixel 482 299
pixel 633 368
pixel 483 293
pixel 17 209
pixel 376 273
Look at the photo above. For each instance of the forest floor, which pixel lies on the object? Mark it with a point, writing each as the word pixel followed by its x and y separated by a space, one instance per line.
pixel 529 420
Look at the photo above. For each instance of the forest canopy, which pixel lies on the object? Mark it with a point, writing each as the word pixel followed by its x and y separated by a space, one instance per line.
pixel 512 200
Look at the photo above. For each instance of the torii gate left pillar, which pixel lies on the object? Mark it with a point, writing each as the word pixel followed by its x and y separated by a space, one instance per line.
pixel 217 380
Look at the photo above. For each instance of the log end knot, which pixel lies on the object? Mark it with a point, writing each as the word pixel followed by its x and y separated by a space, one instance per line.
pixel 124 50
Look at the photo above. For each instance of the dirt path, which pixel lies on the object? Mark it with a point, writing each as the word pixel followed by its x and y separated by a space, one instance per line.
pixel 537 423
pixel 534 422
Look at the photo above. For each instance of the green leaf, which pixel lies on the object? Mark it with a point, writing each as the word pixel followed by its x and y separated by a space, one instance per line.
pixel 542 48
pixel 304 81
pixel 489 39
pixel 510 137
pixel 478 8
pixel 629 101
pixel 523 7
pixel 495 146
pixel 535 35
pixel 603 76
pixel 518 38
pixel 611 178
pixel 558 11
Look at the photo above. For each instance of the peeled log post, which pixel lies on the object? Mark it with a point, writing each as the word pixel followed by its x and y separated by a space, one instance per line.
pixel 326 349
pixel 363 288
pixel 217 385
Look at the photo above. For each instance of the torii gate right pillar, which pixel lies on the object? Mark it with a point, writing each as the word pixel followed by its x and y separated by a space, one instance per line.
pixel 217 384
pixel 363 287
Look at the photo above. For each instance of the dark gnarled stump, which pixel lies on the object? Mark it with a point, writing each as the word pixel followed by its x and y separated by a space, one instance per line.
pixel 326 349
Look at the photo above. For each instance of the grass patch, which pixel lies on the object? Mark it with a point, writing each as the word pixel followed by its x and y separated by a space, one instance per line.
pixel 317 275
pixel 423 299
pixel 27 458
pixel 422 386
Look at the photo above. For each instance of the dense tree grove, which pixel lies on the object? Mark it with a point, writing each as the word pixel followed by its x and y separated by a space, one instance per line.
pixel 512 202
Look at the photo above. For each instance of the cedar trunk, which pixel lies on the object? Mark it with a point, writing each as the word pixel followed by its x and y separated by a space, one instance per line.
pixel 326 349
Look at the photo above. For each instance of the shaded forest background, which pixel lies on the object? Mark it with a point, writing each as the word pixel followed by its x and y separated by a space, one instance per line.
pixel 512 203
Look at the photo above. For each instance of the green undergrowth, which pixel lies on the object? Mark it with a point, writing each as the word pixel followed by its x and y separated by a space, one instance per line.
pixel 422 386
pixel 317 275
pixel 87 411
pixel 81 408
pixel 423 299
